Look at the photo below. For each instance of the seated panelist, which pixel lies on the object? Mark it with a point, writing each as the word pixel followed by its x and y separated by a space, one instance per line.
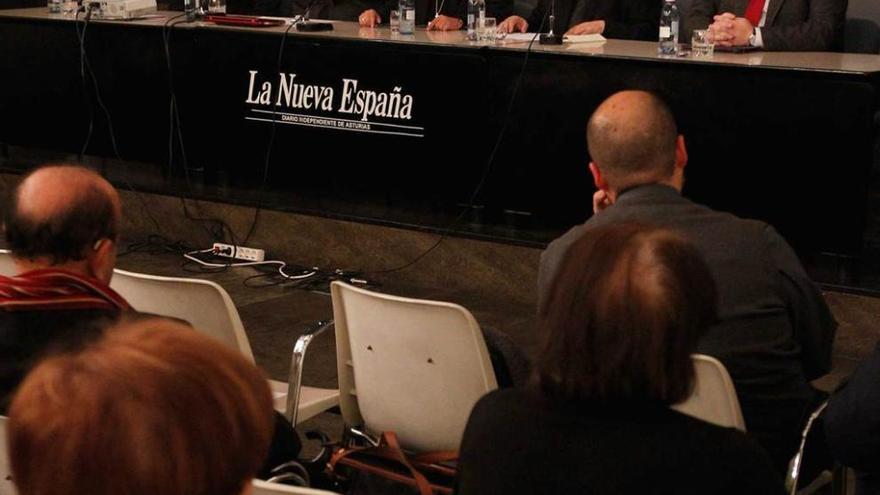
pixel 437 15
pixel 778 25
pixel 619 19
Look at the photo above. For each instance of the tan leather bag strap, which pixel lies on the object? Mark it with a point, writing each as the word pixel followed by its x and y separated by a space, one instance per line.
pixel 389 448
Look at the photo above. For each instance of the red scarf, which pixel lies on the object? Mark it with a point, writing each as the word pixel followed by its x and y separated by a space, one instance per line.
pixel 50 289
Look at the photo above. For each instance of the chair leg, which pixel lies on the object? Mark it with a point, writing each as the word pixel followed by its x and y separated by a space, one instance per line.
pixel 296 368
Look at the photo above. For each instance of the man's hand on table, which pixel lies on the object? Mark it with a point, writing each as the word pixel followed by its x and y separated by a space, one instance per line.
pixel 514 24
pixel 730 30
pixel 589 27
pixel 445 23
pixel 369 18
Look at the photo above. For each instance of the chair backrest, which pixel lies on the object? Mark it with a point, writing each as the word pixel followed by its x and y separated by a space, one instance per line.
pixel 6 486
pixel 201 303
pixel 7 265
pixel 410 366
pixel 264 488
pixel 714 398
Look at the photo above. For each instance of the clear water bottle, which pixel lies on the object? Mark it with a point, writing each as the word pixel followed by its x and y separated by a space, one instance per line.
pixel 669 18
pixel 407 16
pixel 54 6
pixel 191 9
pixel 476 13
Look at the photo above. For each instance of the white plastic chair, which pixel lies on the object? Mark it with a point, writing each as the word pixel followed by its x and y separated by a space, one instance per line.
pixel 714 397
pixel 208 308
pixel 6 486
pixel 265 488
pixel 411 366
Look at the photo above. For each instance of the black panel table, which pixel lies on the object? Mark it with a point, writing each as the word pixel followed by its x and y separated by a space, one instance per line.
pixel 370 125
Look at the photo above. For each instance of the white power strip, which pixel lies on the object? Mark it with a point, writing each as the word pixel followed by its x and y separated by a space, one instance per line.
pixel 238 252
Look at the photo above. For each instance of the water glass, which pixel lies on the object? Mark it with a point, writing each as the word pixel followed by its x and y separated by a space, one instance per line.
pixel 702 43
pixel 54 6
pixel 487 29
pixel 216 6
pixel 394 21
pixel 69 7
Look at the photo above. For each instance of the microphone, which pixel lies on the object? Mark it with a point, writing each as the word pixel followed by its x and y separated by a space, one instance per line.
pixel 551 38
pixel 305 25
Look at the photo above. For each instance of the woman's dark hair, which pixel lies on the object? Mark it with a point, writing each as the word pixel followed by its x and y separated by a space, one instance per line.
pixel 626 310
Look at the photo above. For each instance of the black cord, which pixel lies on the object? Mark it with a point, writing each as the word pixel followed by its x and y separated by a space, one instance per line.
pixel 473 198
pixel 81 36
pixel 85 65
pixel 156 244
pixel 272 131
pixel 215 228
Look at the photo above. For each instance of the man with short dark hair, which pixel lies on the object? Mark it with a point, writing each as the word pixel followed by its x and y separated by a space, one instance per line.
pixel 775 331
pixel 62 225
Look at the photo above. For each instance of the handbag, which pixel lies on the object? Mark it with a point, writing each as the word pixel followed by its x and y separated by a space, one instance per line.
pixel 386 468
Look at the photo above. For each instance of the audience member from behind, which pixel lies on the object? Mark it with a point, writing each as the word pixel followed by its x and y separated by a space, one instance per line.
pixel 774 332
pixel 152 407
pixel 852 424
pixel 624 315
pixel 62 225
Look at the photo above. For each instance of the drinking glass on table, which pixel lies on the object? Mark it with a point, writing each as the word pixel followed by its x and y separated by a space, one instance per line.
pixel 69 7
pixel 394 21
pixel 216 6
pixel 702 43
pixel 487 29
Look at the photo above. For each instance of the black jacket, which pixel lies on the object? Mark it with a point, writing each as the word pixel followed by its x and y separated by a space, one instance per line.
pixel 852 424
pixel 624 19
pixel 516 442
pixel 28 336
pixel 775 330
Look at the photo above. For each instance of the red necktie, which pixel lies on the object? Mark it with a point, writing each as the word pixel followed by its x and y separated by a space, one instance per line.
pixel 754 11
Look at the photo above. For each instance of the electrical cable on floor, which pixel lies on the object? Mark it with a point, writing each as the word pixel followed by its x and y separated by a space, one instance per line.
pixel 280 264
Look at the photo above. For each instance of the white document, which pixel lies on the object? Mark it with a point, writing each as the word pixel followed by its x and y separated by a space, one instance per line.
pixel 583 38
pixel 580 38
pixel 521 37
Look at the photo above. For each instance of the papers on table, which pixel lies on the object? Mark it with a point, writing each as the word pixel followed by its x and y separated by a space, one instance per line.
pixel 580 38
pixel 583 38
pixel 521 37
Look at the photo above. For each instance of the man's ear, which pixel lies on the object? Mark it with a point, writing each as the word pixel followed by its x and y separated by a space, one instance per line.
pixel 681 154
pixel 598 177
pixel 102 259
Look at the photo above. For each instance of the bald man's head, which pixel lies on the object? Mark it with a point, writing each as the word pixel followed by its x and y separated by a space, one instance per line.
pixel 632 139
pixel 59 213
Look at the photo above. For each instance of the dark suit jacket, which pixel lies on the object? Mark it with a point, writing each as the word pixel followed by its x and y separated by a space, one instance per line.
pixel 852 424
pixel 28 336
pixel 320 9
pixel 809 25
pixel 624 19
pixel 518 443
pixel 775 330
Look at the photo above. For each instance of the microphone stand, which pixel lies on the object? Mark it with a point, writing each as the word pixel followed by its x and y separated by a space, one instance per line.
pixel 305 25
pixel 551 38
